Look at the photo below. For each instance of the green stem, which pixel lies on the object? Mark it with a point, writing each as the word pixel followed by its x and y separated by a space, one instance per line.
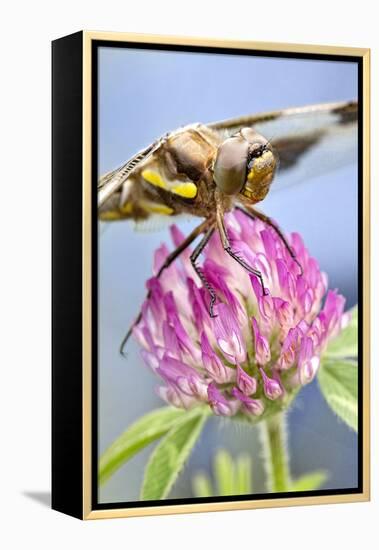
pixel 274 439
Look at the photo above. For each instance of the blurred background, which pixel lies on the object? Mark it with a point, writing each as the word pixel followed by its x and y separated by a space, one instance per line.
pixel 142 95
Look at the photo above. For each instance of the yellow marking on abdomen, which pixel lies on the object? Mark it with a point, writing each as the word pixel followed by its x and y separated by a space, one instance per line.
pixel 109 216
pixel 117 214
pixel 154 178
pixel 186 190
pixel 127 208
pixel 155 208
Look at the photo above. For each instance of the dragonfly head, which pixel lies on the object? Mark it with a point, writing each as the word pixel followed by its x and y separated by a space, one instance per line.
pixel 245 164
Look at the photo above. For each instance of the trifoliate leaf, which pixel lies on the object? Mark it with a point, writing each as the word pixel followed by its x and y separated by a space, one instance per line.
pixel 339 385
pixel 144 431
pixel 169 457
pixel 346 343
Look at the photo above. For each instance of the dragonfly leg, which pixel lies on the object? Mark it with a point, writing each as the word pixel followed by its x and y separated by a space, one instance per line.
pixel 194 256
pixel 253 213
pixel 228 249
pixel 203 227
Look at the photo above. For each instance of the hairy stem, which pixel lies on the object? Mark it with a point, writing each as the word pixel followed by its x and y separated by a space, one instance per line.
pixel 274 440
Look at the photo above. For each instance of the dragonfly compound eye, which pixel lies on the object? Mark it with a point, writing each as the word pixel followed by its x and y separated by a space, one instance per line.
pixel 229 171
pixel 245 164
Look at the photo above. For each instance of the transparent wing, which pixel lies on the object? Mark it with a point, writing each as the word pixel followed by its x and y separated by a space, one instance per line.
pixel 112 181
pixel 157 222
pixel 309 141
pixel 153 224
pixel 334 149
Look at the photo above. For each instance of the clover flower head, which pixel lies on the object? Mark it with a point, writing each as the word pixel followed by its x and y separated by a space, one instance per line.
pixel 261 348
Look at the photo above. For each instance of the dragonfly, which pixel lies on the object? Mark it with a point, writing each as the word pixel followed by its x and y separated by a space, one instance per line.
pixel 207 170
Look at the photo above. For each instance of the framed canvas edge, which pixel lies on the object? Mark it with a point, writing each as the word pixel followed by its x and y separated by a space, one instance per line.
pixel 66 291
pixel 88 512
pixel 173 40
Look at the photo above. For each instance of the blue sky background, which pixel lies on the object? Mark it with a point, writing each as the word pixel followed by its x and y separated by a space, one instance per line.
pixel 142 95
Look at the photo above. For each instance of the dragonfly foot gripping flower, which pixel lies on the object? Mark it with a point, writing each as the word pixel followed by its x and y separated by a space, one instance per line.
pixel 260 348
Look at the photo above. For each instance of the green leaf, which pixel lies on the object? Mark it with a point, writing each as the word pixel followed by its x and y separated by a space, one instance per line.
pixel 224 473
pixel 233 477
pixel 201 486
pixel 346 343
pixel 144 431
pixel 309 482
pixel 339 385
pixel 242 479
pixel 169 456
